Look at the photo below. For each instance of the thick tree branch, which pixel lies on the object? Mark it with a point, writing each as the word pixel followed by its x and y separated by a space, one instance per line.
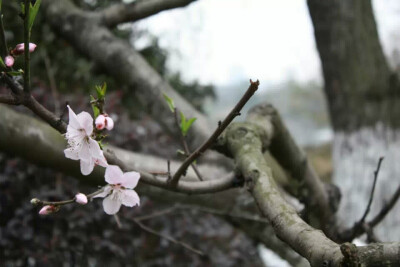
pixel 120 13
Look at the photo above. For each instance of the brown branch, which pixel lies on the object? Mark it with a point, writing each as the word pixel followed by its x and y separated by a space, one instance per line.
pixel 376 172
pixel 9 99
pixel 169 238
pixel 36 201
pixel 386 208
pixel 185 145
pixel 221 127
pixel 121 13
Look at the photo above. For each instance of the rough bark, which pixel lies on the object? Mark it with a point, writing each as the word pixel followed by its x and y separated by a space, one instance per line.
pixel 359 85
pixel 85 32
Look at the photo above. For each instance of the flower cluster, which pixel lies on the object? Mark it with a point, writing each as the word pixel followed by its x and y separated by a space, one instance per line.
pixel 81 145
pixel 18 50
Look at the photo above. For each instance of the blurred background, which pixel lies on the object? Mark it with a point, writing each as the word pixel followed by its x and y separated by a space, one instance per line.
pixel 207 51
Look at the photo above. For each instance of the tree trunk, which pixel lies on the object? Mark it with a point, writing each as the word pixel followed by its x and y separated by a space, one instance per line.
pixel 362 94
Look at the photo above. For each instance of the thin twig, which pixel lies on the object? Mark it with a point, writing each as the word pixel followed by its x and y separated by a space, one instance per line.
pixel 185 145
pixel 3 51
pixel 64 202
pixel 169 238
pixel 52 81
pixel 199 151
pixel 386 208
pixel 156 214
pixel 376 172
pixel 27 78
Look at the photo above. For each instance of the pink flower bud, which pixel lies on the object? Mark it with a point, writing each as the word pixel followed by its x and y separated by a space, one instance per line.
pixel 109 123
pixel 47 210
pixel 20 48
pixel 100 122
pixel 9 60
pixel 81 199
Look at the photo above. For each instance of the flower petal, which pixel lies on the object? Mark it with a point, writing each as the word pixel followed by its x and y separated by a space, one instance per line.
pixel 130 198
pixel 86 122
pixel 95 150
pixel 100 122
pixel 110 123
pixel 87 166
pixel 113 174
pixel 130 179
pixel 105 193
pixel 73 119
pixel 111 205
pixel 71 153
pixel 84 151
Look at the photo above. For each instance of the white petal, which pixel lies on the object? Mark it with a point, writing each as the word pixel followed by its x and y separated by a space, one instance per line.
pixel 130 198
pixel 113 174
pixel 84 153
pixel 111 205
pixel 95 150
pixel 102 162
pixel 74 134
pixel 110 123
pixel 87 167
pixel 73 119
pixel 105 193
pixel 130 179
pixel 71 153
pixel 86 122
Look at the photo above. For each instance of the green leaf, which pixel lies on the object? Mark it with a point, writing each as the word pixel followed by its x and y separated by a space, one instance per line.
pixel 170 103
pixel 104 90
pixel 33 10
pixel 188 124
pixel 1 1
pixel 180 152
pixel 2 63
pixel 15 73
pixel 96 111
pixel 183 122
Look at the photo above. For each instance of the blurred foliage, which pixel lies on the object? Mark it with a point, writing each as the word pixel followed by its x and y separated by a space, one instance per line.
pixel 75 73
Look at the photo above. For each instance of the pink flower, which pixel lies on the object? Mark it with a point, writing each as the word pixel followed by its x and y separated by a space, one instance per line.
pixel 20 49
pixel 103 121
pixel 47 210
pixel 119 189
pixel 81 146
pixel 9 61
pixel 81 198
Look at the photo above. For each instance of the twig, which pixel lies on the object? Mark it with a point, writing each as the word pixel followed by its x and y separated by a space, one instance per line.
pixel 63 202
pixel 169 238
pixel 385 209
pixel 234 112
pixel 156 214
pixel 185 145
pixel 376 172
pixel 3 43
pixel 27 78
pixel 50 76
pixel 118 221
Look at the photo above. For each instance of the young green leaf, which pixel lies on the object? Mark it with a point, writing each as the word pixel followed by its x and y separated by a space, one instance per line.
pixel 104 90
pixel 170 103
pixel 188 124
pixel 1 1
pixel 183 123
pixel 15 73
pixel 33 10
pixel 2 63
pixel 96 111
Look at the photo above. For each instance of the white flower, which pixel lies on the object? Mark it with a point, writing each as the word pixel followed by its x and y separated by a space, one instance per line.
pixel 103 121
pixel 81 146
pixel 81 199
pixel 119 189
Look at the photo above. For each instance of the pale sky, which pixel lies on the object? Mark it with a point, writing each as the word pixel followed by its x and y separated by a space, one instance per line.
pixel 226 41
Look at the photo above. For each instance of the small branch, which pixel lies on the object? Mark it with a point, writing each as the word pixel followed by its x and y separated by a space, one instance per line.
pixel 386 208
pixel 3 43
pixel 64 202
pixel 234 112
pixel 27 78
pixel 169 238
pixel 376 172
pixel 185 145
pixel 121 13
pixel 9 99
